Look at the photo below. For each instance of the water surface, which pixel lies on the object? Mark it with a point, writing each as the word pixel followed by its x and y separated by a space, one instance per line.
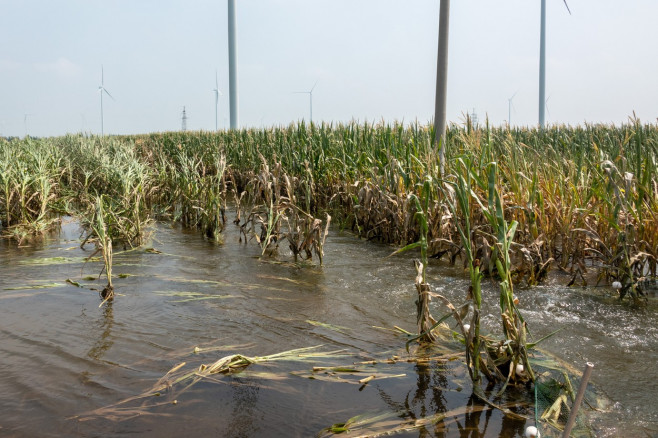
pixel 63 357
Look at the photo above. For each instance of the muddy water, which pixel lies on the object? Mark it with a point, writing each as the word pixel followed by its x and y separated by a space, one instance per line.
pixel 62 358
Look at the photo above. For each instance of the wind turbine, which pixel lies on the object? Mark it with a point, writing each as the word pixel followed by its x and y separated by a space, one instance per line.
pixel 101 90
pixel 310 95
pixel 542 62
pixel 217 94
pixel 509 109
pixel 25 116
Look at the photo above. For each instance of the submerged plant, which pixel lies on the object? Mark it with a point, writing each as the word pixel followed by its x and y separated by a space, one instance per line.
pixel 275 209
pixel 513 351
pixel 458 196
pixel 426 323
pixel 100 236
pixel 553 182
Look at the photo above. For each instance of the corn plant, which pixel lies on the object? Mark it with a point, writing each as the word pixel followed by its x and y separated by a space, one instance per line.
pixel 513 350
pixel 425 321
pixel 99 233
pixel 458 195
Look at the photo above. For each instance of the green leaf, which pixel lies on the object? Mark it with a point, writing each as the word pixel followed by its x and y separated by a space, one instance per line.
pixel 406 248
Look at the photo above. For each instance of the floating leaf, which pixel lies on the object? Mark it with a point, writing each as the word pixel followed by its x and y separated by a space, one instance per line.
pixel 335 328
pixel 35 286
pixel 192 296
pixel 45 261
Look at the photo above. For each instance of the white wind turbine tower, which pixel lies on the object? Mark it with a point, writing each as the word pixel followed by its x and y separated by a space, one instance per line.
pixel 101 90
pixel 310 95
pixel 217 94
pixel 542 62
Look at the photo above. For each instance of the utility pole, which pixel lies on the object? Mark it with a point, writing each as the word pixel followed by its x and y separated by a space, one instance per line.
pixel 233 64
pixel 442 82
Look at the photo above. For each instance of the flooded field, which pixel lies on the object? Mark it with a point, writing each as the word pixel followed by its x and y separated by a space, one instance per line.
pixel 66 363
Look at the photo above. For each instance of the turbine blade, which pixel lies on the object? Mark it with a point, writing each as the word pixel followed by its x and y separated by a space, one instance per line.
pixel 316 83
pixel 565 4
pixel 108 93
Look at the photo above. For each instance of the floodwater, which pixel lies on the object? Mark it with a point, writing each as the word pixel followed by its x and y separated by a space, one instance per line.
pixel 70 368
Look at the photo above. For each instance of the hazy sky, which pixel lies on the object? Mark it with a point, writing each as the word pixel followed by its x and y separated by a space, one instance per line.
pixel 372 60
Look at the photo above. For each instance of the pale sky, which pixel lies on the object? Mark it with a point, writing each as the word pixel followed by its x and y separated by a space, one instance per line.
pixel 372 59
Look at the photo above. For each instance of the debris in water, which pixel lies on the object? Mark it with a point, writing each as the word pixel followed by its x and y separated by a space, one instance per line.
pixel 531 432
pixel 74 283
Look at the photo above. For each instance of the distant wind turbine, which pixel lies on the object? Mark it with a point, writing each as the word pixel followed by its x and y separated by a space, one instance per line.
pixel 509 109
pixel 25 116
pixel 217 94
pixel 310 95
pixel 542 62
pixel 548 110
pixel 101 90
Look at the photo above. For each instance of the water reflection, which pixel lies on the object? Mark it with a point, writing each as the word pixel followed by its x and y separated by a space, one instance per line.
pixel 441 404
pixel 472 419
pixel 100 347
pixel 429 379
pixel 245 417
pixel 512 427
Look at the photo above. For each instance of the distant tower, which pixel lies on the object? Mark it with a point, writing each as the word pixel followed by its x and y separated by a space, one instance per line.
pixel 184 121
pixel 474 118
